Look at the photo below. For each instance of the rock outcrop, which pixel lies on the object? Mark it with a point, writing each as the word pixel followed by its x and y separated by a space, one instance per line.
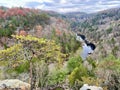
pixel 14 84
pixel 87 87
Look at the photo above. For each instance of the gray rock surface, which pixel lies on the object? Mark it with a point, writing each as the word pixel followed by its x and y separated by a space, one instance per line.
pixel 14 83
pixel 87 87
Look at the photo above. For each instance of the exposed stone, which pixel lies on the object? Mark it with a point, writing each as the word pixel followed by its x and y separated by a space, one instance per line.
pixel 87 87
pixel 14 84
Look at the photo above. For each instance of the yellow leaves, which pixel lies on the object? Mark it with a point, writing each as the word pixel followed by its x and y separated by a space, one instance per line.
pixel 94 81
pixel 72 76
pixel 42 48
pixel 15 47
pixel 10 51
pixel 50 43
pixel 91 81
pixel 29 38
pixel 17 63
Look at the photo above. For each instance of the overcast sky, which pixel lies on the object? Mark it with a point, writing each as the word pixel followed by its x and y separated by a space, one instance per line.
pixel 62 6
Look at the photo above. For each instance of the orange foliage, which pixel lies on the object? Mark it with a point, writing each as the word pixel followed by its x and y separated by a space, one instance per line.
pixel 23 33
pixel 58 32
pixel 1 13
pixel 16 12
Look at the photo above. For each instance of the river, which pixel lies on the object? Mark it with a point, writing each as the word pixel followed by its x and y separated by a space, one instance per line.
pixel 88 47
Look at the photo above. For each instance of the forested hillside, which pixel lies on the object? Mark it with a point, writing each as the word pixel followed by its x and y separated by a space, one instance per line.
pixel 102 28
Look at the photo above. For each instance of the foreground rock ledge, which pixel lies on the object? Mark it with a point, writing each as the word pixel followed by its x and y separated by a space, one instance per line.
pixel 14 84
pixel 87 87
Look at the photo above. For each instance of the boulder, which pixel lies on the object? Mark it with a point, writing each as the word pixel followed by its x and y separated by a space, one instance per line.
pixel 87 87
pixel 14 84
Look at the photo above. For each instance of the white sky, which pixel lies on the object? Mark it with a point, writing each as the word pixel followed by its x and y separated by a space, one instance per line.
pixel 64 5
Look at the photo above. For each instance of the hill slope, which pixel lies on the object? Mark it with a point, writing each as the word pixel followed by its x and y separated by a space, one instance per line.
pixel 102 28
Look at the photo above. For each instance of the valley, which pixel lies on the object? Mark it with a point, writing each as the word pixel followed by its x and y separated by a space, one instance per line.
pixel 53 51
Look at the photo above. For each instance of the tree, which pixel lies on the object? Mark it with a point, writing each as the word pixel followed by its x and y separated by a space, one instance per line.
pixel 34 50
pixel 73 63
pixel 75 78
pixel 41 72
pixel 11 53
pixel 42 49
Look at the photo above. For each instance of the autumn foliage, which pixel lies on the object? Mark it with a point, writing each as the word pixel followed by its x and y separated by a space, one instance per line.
pixel 16 12
pixel 22 33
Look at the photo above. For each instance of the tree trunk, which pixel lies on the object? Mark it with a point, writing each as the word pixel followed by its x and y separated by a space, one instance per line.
pixel 31 76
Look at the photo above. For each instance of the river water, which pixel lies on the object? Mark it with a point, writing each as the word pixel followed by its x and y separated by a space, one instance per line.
pixel 88 48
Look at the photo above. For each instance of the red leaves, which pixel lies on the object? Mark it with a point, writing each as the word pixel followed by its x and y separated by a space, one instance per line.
pixel 1 13
pixel 16 12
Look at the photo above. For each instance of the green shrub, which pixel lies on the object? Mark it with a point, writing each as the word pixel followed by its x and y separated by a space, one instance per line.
pixel 110 63
pixel 73 63
pixel 77 74
pixel 92 62
pixel 24 67
pixel 57 77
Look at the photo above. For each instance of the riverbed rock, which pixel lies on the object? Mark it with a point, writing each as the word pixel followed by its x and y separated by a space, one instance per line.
pixel 87 87
pixel 14 84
